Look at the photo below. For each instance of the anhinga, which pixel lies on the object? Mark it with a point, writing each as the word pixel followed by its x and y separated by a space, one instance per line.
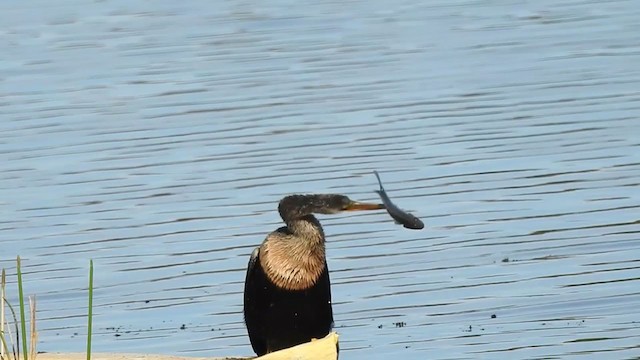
pixel 287 293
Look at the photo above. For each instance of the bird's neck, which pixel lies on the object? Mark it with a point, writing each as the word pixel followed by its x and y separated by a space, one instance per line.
pixel 307 228
pixel 296 259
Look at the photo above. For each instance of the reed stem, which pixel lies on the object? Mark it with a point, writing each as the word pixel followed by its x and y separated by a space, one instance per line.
pixel 3 348
pixel 34 332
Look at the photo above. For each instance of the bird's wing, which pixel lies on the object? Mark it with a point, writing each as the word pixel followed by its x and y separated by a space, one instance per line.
pixel 252 314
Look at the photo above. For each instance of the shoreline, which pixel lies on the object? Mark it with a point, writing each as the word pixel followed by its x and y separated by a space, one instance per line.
pixel 126 356
pixel 320 349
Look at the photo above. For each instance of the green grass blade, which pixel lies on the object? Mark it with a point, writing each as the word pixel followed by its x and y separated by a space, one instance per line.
pixel 23 322
pixel 90 317
pixel 3 281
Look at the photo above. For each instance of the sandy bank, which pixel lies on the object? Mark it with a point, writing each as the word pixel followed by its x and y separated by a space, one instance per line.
pixel 323 349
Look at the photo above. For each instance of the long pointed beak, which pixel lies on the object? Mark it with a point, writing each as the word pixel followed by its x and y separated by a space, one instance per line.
pixel 356 206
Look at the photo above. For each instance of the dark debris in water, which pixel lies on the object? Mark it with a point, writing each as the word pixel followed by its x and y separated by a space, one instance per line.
pixel 397 324
pixel 470 329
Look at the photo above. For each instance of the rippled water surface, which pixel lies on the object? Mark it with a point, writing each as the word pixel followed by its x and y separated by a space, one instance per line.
pixel 157 138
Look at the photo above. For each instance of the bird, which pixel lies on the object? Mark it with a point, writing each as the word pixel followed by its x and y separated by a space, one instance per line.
pixel 287 292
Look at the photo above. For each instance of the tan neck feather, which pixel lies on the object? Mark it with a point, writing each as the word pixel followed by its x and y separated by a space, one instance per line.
pixel 292 264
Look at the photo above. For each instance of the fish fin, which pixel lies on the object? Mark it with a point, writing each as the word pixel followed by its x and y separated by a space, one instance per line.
pixel 378 177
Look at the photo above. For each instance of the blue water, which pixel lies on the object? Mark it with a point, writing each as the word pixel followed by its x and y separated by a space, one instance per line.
pixel 157 138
